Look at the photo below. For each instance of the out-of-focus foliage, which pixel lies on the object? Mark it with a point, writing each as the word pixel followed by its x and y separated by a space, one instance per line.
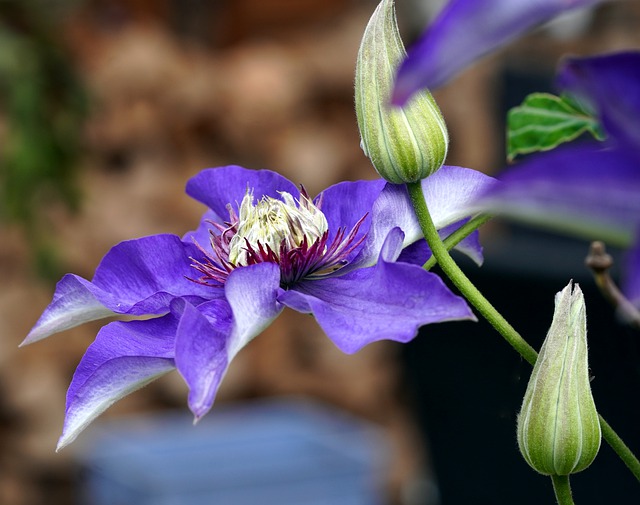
pixel 42 108
pixel 545 121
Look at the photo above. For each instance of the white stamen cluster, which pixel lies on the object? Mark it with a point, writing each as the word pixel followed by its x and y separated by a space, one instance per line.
pixel 272 222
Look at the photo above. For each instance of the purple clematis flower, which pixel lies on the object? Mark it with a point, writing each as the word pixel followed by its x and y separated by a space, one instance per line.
pixel 466 30
pixel 262 245
pixel 589 188
pixel 609 84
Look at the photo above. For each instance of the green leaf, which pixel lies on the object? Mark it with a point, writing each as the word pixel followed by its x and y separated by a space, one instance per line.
pixel 544 121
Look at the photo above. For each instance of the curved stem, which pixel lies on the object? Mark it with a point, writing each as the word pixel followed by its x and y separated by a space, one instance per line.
pixel 457 236
pixel 482 305
pixel 457 276
pixel 562 488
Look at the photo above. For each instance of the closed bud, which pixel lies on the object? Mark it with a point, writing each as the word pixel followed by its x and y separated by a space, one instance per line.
pixel 558 426
pixel 405 144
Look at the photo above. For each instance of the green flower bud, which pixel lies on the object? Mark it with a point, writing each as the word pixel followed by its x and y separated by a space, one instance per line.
pixel 405 144
pixel 558 426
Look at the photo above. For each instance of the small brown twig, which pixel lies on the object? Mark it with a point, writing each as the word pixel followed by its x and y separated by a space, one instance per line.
pixel 600 262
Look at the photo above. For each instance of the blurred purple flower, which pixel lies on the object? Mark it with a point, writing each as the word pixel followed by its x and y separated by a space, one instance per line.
pixel 262 245
pixel 466 30
pixel 610 85
pixel 589 188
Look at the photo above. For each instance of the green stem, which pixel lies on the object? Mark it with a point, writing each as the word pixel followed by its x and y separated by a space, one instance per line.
pixel 620 448
pixel 461 281
pixel 482 305
pixel 457 236
pixel 562 488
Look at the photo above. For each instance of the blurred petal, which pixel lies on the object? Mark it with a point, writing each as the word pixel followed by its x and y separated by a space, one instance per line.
pixel 201 350
pixel 466 30
pixel 135 277
pixel 387 302
pixel 580 189
pixel 124 357
pixel 217 187
pixel 450 193
pixel 610 84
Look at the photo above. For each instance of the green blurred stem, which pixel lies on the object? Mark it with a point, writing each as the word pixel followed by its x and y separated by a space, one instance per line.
pixel 457 236
pixel 562 488
pixel 484 307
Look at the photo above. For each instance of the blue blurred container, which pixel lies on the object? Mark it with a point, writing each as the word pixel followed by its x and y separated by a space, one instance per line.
pixel 283 452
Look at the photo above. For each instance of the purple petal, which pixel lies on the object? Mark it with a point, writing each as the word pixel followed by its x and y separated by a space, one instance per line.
pixel 418 252
pixel 344 204
pixel 465 31
pixel 136 277
pixel 217 187
pixel 124 357
pixel 147 273
pixel 450 193
pixel 387 302
pixel 581 189
pixel 211 334
pixel 201 350
pixel 201 234
pixel 72 305
pixel 471 247
pixel 610 84
pixel 252 293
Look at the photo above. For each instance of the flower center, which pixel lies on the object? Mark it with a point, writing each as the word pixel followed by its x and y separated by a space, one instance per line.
pixel 292 233
pixel 276 225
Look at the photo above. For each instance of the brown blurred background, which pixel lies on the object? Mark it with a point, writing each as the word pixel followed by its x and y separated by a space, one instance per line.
pixel 108 107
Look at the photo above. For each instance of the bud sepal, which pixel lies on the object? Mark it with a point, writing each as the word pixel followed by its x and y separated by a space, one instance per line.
pixel 558 425
pixel 405 144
